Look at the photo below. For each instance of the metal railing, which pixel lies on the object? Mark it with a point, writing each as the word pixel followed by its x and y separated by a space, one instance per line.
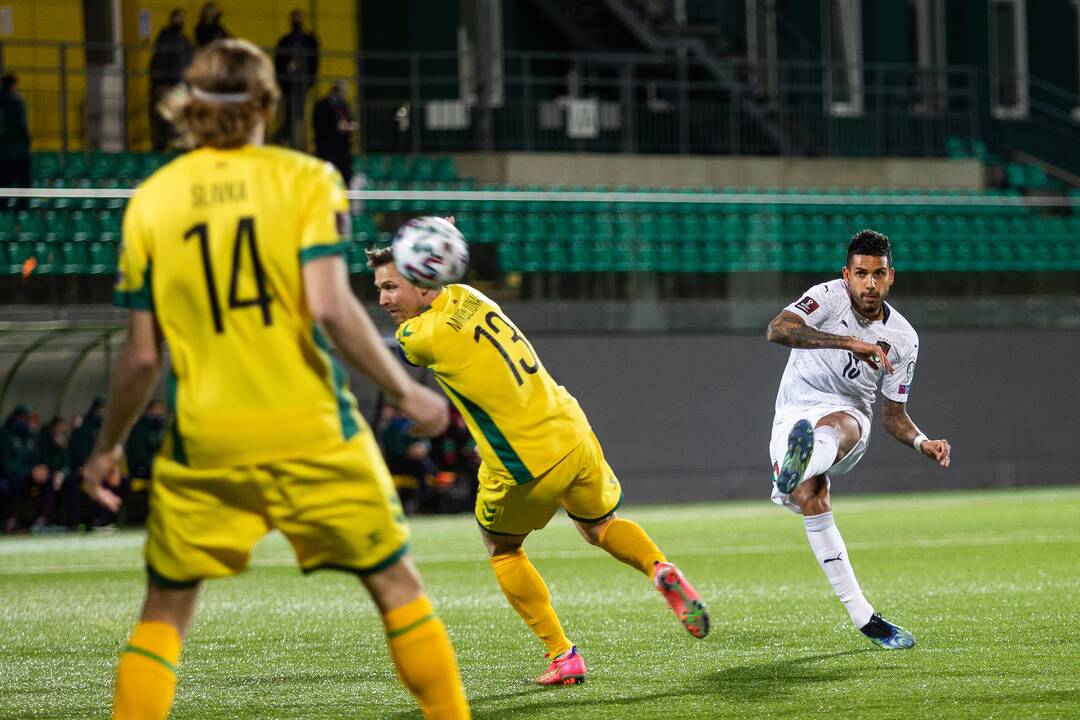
pixel 84 96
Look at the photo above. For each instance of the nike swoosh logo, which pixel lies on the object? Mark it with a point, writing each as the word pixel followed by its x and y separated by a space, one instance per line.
pixel 829 560
pixel 405 332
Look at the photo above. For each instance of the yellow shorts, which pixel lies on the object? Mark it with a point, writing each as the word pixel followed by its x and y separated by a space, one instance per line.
pixel 582 483
pixel 338 509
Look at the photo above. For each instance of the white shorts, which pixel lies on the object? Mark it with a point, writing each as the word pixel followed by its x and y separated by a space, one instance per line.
pixel 788 416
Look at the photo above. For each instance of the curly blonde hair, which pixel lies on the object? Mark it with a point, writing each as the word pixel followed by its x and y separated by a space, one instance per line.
pixel 229 87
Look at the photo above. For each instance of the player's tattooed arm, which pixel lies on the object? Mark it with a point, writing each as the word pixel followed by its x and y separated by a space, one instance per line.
pixel 900 425
pixel 897 422
pixel 789 330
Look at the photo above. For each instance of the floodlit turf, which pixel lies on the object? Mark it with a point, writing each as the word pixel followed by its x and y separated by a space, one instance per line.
pixel 989 582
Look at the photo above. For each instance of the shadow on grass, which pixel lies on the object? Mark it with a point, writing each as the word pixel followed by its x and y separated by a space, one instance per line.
pixel 744 683
pixel 765 680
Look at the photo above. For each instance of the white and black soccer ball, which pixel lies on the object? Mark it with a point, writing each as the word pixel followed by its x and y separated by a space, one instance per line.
pixel 430 252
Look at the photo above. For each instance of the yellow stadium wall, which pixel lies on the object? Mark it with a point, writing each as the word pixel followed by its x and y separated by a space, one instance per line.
pixel 38 67
pixel 261 21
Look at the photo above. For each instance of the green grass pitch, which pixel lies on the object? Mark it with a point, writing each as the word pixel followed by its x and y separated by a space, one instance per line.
pixel 989 582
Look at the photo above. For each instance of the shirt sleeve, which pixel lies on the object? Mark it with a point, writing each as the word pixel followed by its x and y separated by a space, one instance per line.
pixel 815 306
pixel 898 385
pixel 133 288
pixel 415 339
pixel 326 222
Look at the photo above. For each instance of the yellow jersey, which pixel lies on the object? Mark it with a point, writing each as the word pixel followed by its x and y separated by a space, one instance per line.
pixel 213 245
pixel 522 420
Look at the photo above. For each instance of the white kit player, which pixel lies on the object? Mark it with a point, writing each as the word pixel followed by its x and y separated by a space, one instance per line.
pixel 845 340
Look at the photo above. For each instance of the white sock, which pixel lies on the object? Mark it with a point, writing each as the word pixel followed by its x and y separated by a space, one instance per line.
pixel 832 556
pixel 826 445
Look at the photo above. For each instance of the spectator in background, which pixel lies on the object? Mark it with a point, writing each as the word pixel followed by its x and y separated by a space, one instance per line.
pixel 172 55
pixel 455 451
pixel 334 126
pixel 145 440
pixel 18 463
pixel 85 435
pixel 209 28
pixel 14 138
pixel 296 63
pixel 409 455
pixel 55 461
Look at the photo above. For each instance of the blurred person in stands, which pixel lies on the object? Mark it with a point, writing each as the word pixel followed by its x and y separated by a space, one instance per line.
pixel 209 27
pixel 409 455
pixel 55 460
pixel 334 127
pixel 85 434
pixel 145 440
pixel 18 463
pixel 264 434
pixel 296 63
pixel 172 55
pixel 455 451
pixel 14 139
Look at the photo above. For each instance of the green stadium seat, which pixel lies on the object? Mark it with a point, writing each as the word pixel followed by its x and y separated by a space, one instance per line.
pixel 31 225
pixel 423 169
pixel 74 258
pixel 102 257
pixel 57 225
pixel 400 170
pixel 75 165
pixel 509 257
pixel 46 165
pixel 17 254
pixel 49 255
pixel 101 165
pixel 7 227
pixel 444 170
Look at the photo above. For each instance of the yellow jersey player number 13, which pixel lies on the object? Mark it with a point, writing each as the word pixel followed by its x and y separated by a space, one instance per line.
pixel 233 256
pixel 538 452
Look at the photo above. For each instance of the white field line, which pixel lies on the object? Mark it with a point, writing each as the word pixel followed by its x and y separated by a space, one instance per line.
pixel 586 553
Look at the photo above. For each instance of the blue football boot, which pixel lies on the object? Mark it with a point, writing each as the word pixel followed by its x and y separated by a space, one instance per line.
pixel 800 446
pixel 887 635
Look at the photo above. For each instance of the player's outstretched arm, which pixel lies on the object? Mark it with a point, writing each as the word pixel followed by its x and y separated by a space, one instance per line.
pixel 789 330
pixel 134 376
pixel 900 425
pixel 340 314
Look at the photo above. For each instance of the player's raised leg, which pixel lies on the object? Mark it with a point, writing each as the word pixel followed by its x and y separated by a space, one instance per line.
pixel 842 432
pixel 528 594
pixel 418 642
pixel 628 542
pixel 146 674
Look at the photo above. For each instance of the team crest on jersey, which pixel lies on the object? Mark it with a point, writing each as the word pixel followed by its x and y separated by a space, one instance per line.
pixel 884 345
pixel 807 305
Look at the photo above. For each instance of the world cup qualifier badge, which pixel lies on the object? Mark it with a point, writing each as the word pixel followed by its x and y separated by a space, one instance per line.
pixel 807 305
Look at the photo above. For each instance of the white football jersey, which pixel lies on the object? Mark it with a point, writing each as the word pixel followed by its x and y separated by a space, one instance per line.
pixel 837 377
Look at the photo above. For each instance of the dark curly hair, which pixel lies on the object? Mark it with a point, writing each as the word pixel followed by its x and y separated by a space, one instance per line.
pixel 869 242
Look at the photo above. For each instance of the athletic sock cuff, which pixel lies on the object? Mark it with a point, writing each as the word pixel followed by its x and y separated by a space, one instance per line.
pixel 157 641
pixel 402 619
pixel 817 523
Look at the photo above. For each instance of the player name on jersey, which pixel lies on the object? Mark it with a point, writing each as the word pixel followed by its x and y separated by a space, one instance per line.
pixel 218 194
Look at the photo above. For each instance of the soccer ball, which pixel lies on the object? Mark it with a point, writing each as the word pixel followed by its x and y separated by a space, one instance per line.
pixel 430 252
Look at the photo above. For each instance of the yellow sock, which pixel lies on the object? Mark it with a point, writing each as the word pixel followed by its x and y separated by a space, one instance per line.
pixel 626 541
pixel 425 660
pixel 528 594
pixel 146 675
